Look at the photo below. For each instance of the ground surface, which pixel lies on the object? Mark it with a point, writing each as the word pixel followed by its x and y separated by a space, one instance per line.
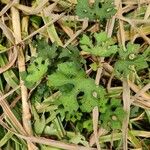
pixel 74 74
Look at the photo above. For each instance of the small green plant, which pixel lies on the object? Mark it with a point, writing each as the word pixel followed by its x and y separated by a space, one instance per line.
pixel 100 9
pixel 130 61
pixel 101 46
pixel 113 117
pixel 44 50
pixel 71 80
pixel 78 92
pixel 80 95
pixel 35 72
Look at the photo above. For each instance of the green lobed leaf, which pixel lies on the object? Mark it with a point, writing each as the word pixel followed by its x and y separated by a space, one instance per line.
pixel 45 51
pixel 129 61
pixel 131 49
pixel 69 73
pixel 99 10
pixel 113 117
pixel 103 45
pixel 36 71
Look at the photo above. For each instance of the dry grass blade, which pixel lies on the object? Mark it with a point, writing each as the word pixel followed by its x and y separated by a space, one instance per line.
pixel 136 89
pixel 66 29
pixel 135 2
pixel 54 143
pixel 101 131
pixel 126 104
pixel 68 18
pixel 99 71
pixel 42 28
pixel 95 126
pixel 7 7
pixel 32 10
pixel 147 14
pixel 144 89
pixel 21 65
pixel 11 62
pixel 142 104
pixel 126 88
pixel 9 93
pixel 122 34
pixel 11 105
pixel 11 116
pixel 139 21
pixel 7 32
pixel 5 126
pixel 49 9
pixel 26 116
